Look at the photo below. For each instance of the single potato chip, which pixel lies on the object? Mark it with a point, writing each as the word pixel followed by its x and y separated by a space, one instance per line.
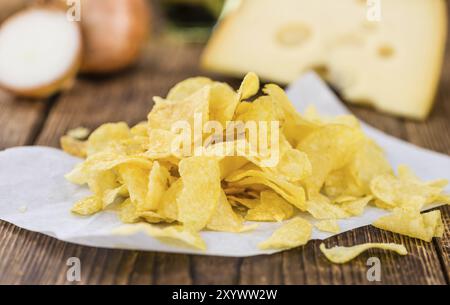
pixel 158 183
pixel 188 87
pixel 330 225
pixel 73 146
pixel 104 137
pixel 87 206
pixel 406 190
pixel 296 232
pixel 341 255
pixel 320 207
pixel 249 86
pixel 225 219
pixel 201 191
pixel 271 208
pixel 413 224
pixel 329 148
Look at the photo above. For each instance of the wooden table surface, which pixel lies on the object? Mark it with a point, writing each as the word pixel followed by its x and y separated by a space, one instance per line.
pixel 32 258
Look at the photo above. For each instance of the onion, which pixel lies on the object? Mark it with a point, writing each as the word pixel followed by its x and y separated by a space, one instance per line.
pixel 114 31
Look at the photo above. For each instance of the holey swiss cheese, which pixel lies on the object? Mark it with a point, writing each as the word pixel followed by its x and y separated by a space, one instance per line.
pixel 386 53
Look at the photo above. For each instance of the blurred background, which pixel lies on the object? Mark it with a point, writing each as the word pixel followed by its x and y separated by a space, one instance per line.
pixel 135 49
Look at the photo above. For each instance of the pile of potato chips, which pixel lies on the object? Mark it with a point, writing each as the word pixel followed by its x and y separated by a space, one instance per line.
pixel 327 167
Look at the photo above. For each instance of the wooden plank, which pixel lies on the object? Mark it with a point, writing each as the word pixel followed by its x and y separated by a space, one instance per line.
pixel 21 121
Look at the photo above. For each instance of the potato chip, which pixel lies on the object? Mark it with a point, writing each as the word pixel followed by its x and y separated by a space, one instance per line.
pixel 356 206
pixel 128 211
pixel 188 87
pixel 73 146
pixel 101 162
pixel 354 179
pixel 102 181
pixel 295 128
pixel 294 194
pixel 329 148
pixel 136 180
pixel 166 113
pixel 88 206
pixel 413 224
pixel 201 191
pixel 405 190
pixel 249 86
pixel 225 219
pixel 158 183
pixel 79 133
pixel 296 232
pixel 293 164
pixel 271 208
pixel 104 137
pixel 246 202
pixel 140 129
pixel 168 207
pixel 341 255
pixel 320 207
pixel 174 235
pixel 111 195
pixel 329 225
pixel 222 104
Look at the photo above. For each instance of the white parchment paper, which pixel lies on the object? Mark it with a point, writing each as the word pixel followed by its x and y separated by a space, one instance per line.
pixel 35 196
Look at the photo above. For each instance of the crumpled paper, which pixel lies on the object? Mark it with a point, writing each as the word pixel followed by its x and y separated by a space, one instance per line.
pixel 35 196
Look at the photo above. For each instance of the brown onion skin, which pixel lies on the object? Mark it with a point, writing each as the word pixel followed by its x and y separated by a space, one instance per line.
pixel 114 32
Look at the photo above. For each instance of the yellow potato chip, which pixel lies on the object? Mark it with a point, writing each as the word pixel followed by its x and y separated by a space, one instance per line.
pixel 128 211
pixel 320 207
pixel 405 190
pixel 246 202
pixel 329 225
pixel 413 224
pixel 249 86
pixel 166 113
pixel 88 206
pixel 188 87
pixel 150 216
pixel 295 128
pixel 354 179
pixel 79 133
pixel 222 104
pixel 140 129
pixel 225 219
pixel 110 196
pixel 292 193
pixel 296 232
pixel 73 146
pixel 329 148
pixel 231 164
pixel 293 164
pixel 168 207
pixel 104 137
pixel 158 183
pixel 271 208
pixel 174 235
pixel 201 191
pixel 355 207
pixel 341 255
pixel 251 174
pixel 136 180
pixel 102 181
pixel 103 161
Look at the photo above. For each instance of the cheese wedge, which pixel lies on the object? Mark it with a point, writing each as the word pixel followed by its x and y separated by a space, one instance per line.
pixel 392 63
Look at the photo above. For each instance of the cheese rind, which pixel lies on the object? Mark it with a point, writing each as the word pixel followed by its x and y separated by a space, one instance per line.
pixel 393 64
